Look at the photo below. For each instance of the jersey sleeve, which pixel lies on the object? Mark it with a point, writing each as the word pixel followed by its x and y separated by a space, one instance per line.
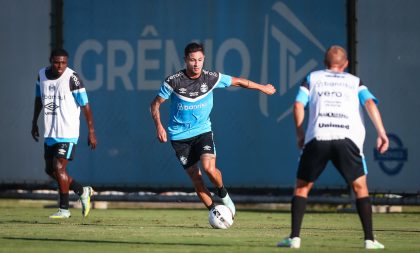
pixel 165 90
pixel 364 94
pixel 78 90
pixel 224 81
pixel 37 88
pixel 303 93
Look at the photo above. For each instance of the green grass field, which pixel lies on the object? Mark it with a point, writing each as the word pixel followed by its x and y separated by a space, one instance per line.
pixel 27 228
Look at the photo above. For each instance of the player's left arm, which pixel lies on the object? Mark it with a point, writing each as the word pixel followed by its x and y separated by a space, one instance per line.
pixel 79 93
pixel 369 101
pixel 248 84
pixel 382 142
pixel 89 120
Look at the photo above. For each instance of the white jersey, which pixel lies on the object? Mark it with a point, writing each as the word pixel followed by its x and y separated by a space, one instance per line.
pixel 61 99
pixel 335 106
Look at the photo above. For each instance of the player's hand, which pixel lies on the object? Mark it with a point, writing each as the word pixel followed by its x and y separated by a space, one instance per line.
pixel 92 140
pixel 300 140
pixel 161 134
pixel 382 143
pixel 269 89
pixel 35 132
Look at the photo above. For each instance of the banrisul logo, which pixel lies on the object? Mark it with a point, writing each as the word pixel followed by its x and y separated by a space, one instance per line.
pixel 392 161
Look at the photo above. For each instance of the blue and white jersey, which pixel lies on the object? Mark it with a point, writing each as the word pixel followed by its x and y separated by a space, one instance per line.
pixel 191 102
pixel 61 99
pixel 335 103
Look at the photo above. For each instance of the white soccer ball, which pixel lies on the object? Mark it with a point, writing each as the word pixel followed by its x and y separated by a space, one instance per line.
pixel 220 217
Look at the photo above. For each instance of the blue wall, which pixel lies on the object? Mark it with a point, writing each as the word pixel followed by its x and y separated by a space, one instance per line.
pixel 124 49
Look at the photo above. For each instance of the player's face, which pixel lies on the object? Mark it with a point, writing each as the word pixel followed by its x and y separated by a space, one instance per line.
pixel 58 65
pixel 194 64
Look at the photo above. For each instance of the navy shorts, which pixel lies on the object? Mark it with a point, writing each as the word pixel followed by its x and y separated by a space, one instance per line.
pixel 59 150
pixel 344 155
pixel 188 151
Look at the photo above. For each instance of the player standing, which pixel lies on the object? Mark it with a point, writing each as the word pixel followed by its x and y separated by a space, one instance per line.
pixel 61 92
pixel 336 133
pixel 191 94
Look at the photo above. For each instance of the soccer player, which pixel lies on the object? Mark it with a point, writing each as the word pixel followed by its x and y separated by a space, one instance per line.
pixel 61 93
pixel 335 132
pixel 191 94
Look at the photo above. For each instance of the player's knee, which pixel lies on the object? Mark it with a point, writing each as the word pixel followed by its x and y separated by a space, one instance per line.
pixel 210 171
pixel 61 173
pixel 194 173
pixel 360 190
pixel 303 188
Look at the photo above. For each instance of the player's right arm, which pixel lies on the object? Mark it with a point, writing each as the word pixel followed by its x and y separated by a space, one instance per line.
pixel 154 110
pixel 301 101
pixel 37 111
pixel 248 84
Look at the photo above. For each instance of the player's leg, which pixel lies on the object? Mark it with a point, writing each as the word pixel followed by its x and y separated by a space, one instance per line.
pixel 298 206
pixel 312 162
pixel 63 180
pixel 208 162
pixel 363 205
pixel 48 158
pixel 350 164
pixel 197 180
pixel 188 159
pixel 206 148
pixel 50 152
pixel 49 168
pixel 59 167
pixel 364 210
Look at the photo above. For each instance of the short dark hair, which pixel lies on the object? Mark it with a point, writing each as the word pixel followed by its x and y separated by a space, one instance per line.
pixel 58 52
pixel 193 47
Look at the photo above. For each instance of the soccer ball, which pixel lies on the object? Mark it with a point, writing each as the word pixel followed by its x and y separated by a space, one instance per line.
pixel 220 217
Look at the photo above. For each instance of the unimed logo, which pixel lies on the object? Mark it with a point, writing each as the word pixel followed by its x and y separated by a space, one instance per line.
pixel 392 161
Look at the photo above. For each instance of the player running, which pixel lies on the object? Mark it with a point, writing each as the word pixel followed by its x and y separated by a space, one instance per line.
pixel 335 133
pixel 61 92
pixel 190 133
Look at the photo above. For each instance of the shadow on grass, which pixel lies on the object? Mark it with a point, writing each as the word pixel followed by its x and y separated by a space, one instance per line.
pixel 120 242
pixel 357 229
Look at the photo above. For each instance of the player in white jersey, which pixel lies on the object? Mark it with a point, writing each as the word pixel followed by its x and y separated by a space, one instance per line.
pixel 60 92
pixel 335 132
pixel 191 94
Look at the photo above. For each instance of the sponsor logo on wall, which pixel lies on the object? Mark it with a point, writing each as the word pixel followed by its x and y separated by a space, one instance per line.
pixel 392 161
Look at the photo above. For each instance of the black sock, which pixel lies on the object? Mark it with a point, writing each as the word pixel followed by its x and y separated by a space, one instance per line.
pixel 221 192
pixel 64 201
pixel 298 210
pixel 76 187
pixel 364 209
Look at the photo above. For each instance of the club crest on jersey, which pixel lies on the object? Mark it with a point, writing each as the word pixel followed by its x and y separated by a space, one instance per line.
pixel 204 88
pixel 183 160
